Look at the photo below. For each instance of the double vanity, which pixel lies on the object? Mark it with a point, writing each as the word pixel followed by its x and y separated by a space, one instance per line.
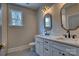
pixel 56 46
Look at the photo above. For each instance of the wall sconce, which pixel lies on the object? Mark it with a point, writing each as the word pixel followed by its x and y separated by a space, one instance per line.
pixel 45 8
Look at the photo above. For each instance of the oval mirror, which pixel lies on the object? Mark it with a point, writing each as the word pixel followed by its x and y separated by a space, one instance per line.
pixel 70 16
pixel 48 22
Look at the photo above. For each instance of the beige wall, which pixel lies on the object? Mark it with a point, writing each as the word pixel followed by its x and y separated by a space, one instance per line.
pixel 23 35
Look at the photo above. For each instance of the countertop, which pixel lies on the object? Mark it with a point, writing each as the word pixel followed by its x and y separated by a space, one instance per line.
pixel 61 39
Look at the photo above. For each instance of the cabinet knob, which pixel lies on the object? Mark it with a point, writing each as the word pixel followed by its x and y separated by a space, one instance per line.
pixel 63 54
pixel 59 52
pixel 46 49
pixel 46 42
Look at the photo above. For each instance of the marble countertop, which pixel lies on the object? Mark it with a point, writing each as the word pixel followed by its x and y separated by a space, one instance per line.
pixel 62 39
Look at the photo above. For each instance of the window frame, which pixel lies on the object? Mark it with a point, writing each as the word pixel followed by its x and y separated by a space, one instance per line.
pixel 10 18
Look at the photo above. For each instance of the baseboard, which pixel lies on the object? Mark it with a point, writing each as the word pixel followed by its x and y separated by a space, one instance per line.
pixel 20 48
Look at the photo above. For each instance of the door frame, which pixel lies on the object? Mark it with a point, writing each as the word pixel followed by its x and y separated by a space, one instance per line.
pixel 4 9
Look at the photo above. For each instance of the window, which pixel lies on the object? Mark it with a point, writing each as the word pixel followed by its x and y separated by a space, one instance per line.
pixel 16 18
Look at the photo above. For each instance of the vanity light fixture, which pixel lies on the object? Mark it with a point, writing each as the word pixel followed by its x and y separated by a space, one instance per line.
pixel 45 8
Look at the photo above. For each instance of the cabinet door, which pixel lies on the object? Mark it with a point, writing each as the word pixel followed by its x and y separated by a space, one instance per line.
pixel 39 39
pixel 47 50
pixel 39 47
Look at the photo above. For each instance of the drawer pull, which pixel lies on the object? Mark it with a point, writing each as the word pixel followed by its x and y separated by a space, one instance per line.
pixel 59 52
pixel 62 53
pixel 46 49
pixel 46 42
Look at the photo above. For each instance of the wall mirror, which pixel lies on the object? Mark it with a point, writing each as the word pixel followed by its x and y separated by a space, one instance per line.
pixel 70 16
pixel 48 22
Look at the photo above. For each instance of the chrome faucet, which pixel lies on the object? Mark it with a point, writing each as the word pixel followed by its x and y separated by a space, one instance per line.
pixel 47 33
pixel 69 36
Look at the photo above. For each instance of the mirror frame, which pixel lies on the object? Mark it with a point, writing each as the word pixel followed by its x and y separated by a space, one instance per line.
pixel 48 15
pixel 61 20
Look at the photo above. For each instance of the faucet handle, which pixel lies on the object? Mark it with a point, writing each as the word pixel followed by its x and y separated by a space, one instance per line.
pixel 65 35
pixel 1 46
pixel 74 36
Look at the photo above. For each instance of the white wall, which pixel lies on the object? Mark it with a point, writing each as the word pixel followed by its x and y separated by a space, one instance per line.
pixel 56 21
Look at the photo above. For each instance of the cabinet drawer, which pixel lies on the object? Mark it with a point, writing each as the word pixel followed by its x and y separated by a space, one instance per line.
pixel 39 48
pixel 58 46
pixel 57 52
pixel 70 49
pixel 39 39
pixel 47 42
pixel 63 45
pixel 57 43
pixel 67 48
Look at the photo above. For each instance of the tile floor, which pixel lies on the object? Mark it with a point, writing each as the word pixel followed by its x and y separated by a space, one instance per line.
pixel 23 53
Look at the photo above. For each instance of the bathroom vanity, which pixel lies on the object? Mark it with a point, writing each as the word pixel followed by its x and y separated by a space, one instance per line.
pixel 67 45
pixel 56 46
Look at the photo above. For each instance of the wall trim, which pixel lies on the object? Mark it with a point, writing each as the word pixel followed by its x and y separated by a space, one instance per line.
pixel 19 48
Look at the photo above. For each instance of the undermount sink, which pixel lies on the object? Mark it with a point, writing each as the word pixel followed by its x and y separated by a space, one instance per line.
pixel 60 38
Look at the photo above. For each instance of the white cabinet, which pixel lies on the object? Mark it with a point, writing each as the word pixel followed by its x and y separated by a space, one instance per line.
pixel 55 52
pixel 47 47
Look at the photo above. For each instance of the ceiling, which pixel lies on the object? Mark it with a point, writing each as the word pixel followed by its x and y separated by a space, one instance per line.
pixel 34 5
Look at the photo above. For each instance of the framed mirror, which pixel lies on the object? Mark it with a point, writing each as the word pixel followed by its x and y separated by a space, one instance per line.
pixel 48 22
pixel 70 16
